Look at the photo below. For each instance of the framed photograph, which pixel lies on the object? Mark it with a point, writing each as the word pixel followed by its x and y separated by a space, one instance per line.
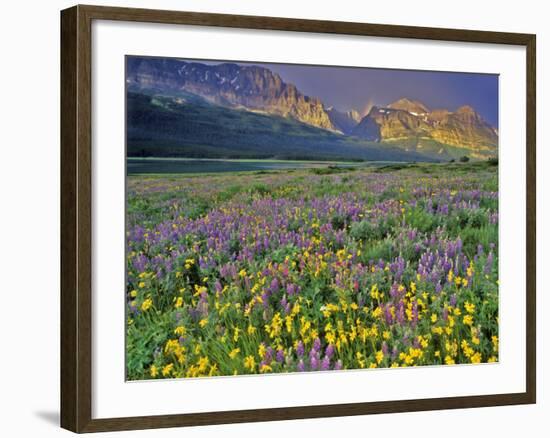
pixel 268 219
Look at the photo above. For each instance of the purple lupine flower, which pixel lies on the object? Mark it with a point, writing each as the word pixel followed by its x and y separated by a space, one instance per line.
pixel 414 313
pixel 325 364
pixel 314 363
pixel 301 366
pixel 388 315
pixel 400 312
pixel 280 356
pixel 488 263
pixel 338 365
pixel 291 289
pixel 329 351
pixel 394 353
pixel 274 286
pixel 317 344
pixel 265 299
pixel 452 301
pixel 300 349
pixel 394 290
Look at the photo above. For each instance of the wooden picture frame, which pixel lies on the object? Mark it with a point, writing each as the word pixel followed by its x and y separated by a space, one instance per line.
pixel 76 218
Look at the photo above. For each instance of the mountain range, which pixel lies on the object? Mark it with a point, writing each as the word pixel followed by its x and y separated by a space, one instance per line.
pixel 177 108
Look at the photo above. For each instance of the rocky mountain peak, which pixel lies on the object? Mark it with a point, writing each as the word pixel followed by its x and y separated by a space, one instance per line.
pixel 465 109
pixel 411 106
pixel 252 87
pixel 407 119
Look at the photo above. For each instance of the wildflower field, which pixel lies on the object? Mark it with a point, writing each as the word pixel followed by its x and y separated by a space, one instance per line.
pixel 311 270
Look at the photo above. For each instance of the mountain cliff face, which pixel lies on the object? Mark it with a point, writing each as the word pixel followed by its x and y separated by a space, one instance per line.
pixel 467 128
pixel 406 119
pixel 252 87
pixel 390 124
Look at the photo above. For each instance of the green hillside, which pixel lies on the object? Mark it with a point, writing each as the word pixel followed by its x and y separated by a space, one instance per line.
pixel 188 126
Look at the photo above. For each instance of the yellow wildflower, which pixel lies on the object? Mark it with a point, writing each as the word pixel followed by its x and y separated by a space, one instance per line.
pixel 213 369
pixel 265 369
pixel 147 304
pixel 261 350
pixel 203 364
pixel 166 370
pixel 180 330
pixel 468 320
pixel 450 275
pixel 374 293
pixel 494 340
pixel 249 362
pixel 470 308
pixel 199 290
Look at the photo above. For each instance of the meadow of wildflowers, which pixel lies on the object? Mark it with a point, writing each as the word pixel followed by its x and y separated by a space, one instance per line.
pixel 311 270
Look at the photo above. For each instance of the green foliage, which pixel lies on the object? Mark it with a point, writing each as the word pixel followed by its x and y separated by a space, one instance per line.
pixel 419 219
pixel 364 230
